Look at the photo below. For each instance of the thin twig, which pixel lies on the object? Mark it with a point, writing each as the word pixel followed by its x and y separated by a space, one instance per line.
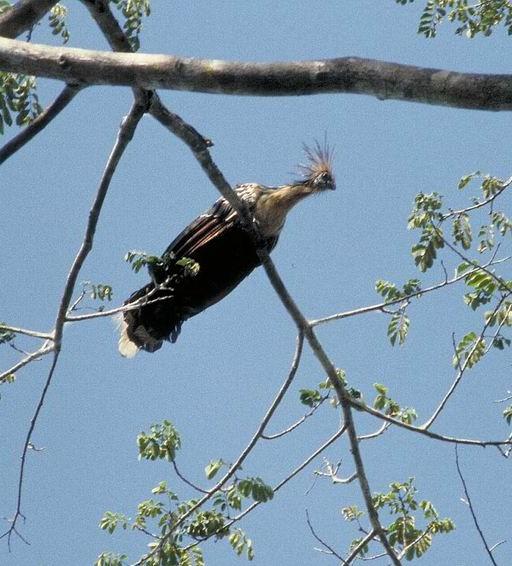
pixel 378 432
pixel 384 304
pixel 321 541
pixel 37 125
pixel 243 455
pixel 479 204
pixel 26 332
pixel 185 480
pixel 46 349
pixel 471 508
pixel 357 549
pixel 462 368
pixel 296 423
pixel 282 483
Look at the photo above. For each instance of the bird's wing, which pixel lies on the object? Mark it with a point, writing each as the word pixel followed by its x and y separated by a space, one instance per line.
pixel 211 224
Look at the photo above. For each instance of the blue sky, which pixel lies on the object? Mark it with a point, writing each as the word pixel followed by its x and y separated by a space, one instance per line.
pixel 216 382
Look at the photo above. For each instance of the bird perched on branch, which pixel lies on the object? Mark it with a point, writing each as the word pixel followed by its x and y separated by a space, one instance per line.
pixel 213 254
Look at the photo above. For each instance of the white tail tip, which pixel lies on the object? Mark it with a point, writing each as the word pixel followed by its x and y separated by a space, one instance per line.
pixel 127 348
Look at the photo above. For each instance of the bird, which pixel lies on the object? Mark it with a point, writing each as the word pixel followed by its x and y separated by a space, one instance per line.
pixel 214 253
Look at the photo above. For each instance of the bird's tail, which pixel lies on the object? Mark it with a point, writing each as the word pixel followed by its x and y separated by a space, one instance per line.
pixel 146 327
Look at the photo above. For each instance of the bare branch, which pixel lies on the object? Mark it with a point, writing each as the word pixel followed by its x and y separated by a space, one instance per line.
pixel 332 473
pixel 472 509
pixel 321 541
pixel 378 432
pixel 296 423
pixel 420 430
pixel 37 355
pixel 23 16
pixel 25 135
pixel 26 332
pixel 381 79
pixel 187 481
pixel 125 135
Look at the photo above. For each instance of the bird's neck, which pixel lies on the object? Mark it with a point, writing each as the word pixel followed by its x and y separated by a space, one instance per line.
pixel 273 206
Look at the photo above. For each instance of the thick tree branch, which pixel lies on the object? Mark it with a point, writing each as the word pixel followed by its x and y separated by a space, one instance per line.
pixel 23 16
pixel 381 79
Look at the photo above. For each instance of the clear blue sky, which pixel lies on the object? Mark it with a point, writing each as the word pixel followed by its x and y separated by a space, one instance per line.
pixel 216 382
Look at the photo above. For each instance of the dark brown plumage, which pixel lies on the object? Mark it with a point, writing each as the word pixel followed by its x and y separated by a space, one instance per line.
pixel 224 254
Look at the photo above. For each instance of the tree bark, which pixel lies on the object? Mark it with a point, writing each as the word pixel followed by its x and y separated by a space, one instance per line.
pixel 353 75
pixel 23 16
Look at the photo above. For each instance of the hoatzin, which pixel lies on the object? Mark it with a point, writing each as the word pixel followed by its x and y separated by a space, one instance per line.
pixel 222 252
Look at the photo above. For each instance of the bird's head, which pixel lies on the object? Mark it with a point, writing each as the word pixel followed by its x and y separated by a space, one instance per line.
pixel 317 173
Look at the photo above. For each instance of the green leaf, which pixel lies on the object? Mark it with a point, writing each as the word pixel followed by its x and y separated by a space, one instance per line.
pixel 387 290
pixel 212 468
pixel 398 327
pixel 507 414
pixel 110 559
pixel 110 521
pixel 470 348
pixel 310 397
pixel 381 389
pixel 351 513
pixel 462 231
pixel 464 181
pixel 161 443
pixel 5 334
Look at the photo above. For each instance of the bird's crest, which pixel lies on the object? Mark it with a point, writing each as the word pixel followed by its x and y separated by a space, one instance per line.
pixel 319 160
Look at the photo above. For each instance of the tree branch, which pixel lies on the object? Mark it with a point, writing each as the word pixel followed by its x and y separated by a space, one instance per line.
pixel 322 542
pixel 462 367
pixel 25 135
pixel 384 80
pixel 125 135
pixel 379 307
pixel 471 508
pixel 23 16
pixel 218 180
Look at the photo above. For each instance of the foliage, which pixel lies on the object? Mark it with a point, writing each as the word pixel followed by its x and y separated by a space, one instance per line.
pixel 472 18
pixel 179 525
pixel 19 102
pixel 404 533
pixel 57 22
pixel 4 5
pixel 5 334
pixel 390 407
pixel 133 11
pixel 159 265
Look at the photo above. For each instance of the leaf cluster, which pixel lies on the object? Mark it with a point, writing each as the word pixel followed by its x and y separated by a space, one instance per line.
pixel 398 327
pixel 390 407
pixel 472 18
pixel 57 22
pixel 133 11
pixel 5 334
pixel 164 270
pixel 19 103
pixel 176 539
pixel 162 442
pixel 404 534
